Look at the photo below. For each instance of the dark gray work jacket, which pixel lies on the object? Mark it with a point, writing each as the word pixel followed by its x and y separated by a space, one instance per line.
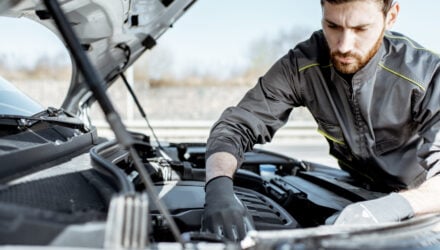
pixel 383 126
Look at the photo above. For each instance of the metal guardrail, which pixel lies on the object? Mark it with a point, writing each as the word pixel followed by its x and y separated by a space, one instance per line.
pixel 198 131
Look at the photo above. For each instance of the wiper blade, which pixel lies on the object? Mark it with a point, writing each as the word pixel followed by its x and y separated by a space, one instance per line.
pixel 50 115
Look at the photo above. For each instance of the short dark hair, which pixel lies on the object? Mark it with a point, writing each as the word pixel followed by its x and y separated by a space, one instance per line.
pixel 386 4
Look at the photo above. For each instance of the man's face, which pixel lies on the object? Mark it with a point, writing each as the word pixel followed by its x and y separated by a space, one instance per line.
pixel 354 33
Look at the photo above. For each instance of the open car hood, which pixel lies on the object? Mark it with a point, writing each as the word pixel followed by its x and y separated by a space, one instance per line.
pixel 114 33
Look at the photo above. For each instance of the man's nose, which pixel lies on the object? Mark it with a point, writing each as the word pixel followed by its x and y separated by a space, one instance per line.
pixel 346 41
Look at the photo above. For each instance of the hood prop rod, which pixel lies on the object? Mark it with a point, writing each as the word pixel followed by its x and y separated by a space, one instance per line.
pixel 139 107
pixel 95 83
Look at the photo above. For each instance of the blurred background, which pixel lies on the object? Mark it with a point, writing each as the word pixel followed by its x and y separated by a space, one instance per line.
pixel 202 65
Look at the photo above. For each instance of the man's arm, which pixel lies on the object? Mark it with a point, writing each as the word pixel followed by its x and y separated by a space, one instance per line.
pixel 262 111
pixel 220 164
pixel 395 206
pixel 425 198
pixel 224 214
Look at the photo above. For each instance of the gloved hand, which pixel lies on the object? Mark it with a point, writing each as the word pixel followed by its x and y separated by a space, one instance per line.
pixel 224 213
pixel 390 208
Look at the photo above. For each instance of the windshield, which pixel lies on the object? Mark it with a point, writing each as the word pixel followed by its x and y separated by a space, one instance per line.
pixel 14 102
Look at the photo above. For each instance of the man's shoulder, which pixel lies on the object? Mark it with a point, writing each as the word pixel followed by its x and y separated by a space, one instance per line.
pixel 313 51
pixel 398 42
pixel 314 44
pixel 419 65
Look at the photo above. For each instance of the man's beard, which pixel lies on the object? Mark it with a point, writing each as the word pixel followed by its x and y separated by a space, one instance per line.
pixel 359 62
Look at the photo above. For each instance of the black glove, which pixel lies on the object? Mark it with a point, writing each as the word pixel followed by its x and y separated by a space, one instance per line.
pixel 390 208
pixel 224 213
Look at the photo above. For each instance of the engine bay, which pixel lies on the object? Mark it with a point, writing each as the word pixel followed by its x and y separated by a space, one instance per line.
pixel 279 192
pixel 99 197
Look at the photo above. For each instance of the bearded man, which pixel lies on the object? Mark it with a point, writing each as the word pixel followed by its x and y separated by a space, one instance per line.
pixel 375 95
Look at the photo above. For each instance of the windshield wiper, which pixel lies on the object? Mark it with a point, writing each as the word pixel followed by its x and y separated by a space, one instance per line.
pixel 50 115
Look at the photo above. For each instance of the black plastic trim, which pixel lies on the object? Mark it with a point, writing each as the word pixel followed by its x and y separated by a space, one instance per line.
pixel 45 155
pixel 113 173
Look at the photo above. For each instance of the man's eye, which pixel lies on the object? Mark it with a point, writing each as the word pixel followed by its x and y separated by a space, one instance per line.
pixel 333 27
pixel 362 29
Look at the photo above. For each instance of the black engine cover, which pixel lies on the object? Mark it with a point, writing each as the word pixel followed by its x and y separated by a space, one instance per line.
pixel 185 201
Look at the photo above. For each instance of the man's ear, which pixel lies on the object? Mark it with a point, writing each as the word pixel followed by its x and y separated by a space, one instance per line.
pixel 392 14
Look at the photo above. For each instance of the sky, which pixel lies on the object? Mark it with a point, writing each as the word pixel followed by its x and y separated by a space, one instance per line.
pixel 215 35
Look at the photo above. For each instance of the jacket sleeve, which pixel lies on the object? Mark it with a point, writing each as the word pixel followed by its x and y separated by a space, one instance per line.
pixel 261 112
pixel 429 117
